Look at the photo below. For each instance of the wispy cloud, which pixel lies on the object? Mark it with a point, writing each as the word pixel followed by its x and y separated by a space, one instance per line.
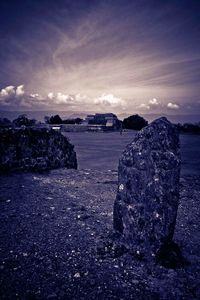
pixel 110 100
pixel 117 54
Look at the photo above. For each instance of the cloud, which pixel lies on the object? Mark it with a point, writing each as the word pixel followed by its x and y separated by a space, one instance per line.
pixel 144 106
pixel 37 96
pixel 7 92
pixel 172 105
pixel 12 91
pixel 156 104
pixel 151 104
pixel 16 97
pixel 50 95
pixel 110 100
pixel 20 90
pixel 154 101
pixel 11 94
pixel 81 98
pixel 60 98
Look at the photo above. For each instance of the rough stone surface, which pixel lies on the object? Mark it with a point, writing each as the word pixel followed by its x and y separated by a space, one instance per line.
pixel 147 200
pixel 35 149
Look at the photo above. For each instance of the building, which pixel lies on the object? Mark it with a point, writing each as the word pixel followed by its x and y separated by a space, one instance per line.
pixel 107 119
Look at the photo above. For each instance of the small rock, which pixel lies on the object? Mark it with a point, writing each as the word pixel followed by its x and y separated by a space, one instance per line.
pixel 52 296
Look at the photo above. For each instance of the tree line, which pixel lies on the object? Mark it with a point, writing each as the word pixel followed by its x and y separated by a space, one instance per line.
pixel 134 122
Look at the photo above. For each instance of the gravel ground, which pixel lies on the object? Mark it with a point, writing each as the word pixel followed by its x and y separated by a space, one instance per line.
pixel 53 225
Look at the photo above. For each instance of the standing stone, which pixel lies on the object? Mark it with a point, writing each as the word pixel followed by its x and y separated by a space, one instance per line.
pixel 147 200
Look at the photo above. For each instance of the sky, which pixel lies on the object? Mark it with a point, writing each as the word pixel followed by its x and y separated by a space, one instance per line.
pixel 88 55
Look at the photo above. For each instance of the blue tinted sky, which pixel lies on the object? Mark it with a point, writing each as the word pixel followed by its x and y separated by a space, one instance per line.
pixel 120 56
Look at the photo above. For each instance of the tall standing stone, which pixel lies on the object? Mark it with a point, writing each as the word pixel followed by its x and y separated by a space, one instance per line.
pixel 147 200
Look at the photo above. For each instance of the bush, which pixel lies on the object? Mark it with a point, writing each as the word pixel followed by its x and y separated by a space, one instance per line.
pixel 189 127
pixel 73 121
pixel 22 120
pixel 4 122
pixel 55 120
pixel 135 122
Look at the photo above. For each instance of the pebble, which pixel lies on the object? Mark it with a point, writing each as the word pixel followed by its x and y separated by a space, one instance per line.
pixel 52 296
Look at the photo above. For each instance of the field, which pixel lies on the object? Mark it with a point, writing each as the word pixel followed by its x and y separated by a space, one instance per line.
pixel 101 151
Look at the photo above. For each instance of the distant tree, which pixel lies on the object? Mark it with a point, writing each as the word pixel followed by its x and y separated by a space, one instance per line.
pixel 78 121
pixel 4 122
pixel 119 124
pixel 68 121
pixel 189 127
pixel 22 120
pixel 46 119
pixel 73 121
pixel 135 122
pixel 55 120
